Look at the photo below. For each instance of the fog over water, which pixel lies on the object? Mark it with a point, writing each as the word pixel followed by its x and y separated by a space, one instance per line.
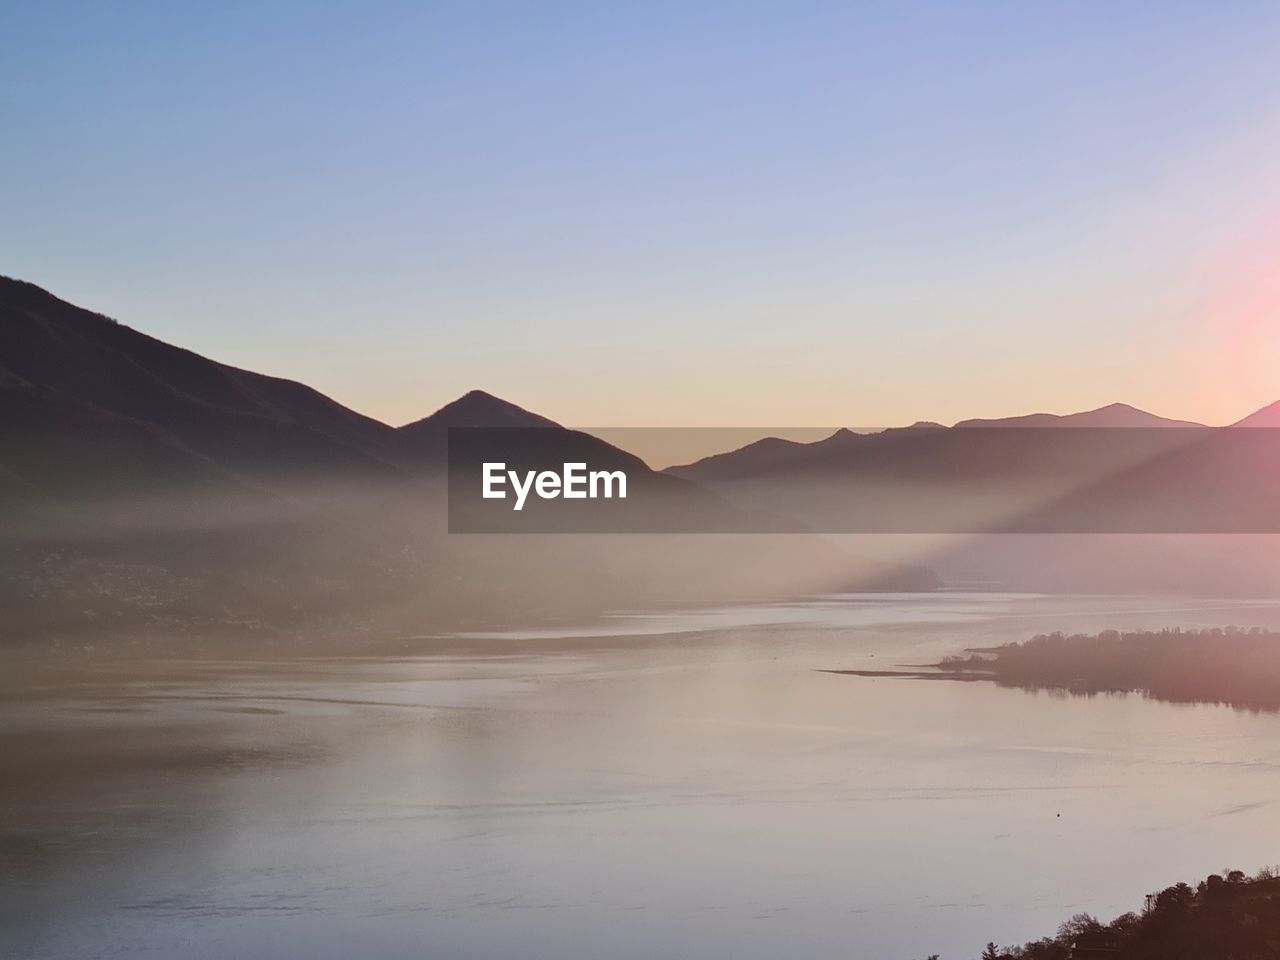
pixel 685 784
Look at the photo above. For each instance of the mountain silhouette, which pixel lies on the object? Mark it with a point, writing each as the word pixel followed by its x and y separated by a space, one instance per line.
pixel 268 432
pixel 880 450
pixel 1190 500
pixel 475 409
pixel 425 442
pixel 766 457
pixel 143 486
pixel 1267 417
pixel 241 420
pixel 1014 475
pixel 1112 415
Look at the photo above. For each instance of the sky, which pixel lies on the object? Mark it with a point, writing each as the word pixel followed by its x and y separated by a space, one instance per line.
pixel 667 214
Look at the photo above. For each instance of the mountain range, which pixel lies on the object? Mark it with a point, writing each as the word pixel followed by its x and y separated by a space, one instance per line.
pixel 145 486
pixel 773 453
pixel 1149 504
pixel 1114 469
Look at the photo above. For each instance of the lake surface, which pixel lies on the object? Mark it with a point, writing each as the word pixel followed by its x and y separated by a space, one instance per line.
pixel 673 785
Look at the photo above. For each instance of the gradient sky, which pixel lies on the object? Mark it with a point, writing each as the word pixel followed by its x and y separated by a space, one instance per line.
pixel 668 214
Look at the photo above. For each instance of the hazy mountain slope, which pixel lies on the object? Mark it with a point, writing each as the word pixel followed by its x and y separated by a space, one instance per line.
pixel 933 458
pixel 144 487
pixel 1112 415
pixel 425 442
pixel 1113 490
pixel 266 428
pixel 888 450
pixel 1213 481
pixel 61 450
pixel 765 457
pixel 1268 416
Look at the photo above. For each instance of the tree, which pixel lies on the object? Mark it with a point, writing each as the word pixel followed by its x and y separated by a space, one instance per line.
pixel 1081 923
pixel 1175 900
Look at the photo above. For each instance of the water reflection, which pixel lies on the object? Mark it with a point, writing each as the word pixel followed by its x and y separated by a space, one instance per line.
pixel 1232 666
pixel 696 793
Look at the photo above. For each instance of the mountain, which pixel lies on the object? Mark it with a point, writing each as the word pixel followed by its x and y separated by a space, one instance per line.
pixel 474 409
pixel 772 455
pixel 526 440
pixel 263 427
pixel 968 487
pixel 764 457
pixel 1117 469
pixel 1112 415
pixel 1268 416
pixel 144 487
pixel 270 433
pixel 425 442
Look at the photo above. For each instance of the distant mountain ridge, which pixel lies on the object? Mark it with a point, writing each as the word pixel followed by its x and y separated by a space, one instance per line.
pixel 1119 415
pixel 141 483
pixel 144 484
pixel 771 454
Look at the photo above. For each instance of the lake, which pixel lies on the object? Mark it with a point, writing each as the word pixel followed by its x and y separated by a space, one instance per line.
pixel 676 784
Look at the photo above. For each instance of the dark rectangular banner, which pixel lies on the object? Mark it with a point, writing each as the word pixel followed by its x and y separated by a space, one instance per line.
pixel 960 480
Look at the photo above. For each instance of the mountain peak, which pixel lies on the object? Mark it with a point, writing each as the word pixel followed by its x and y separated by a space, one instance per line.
pixel 922 425
pixel 476 408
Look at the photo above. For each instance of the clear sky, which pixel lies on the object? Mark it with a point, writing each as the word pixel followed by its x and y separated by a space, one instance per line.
pixel 668 214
